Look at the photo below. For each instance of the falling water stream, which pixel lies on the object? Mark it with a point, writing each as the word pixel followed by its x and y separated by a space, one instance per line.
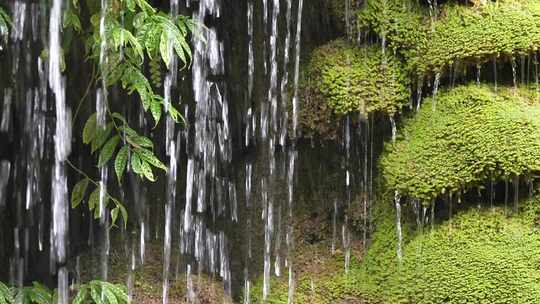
pixel 62 141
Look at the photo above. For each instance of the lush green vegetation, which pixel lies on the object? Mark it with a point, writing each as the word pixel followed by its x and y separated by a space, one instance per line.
pixel 455 32
pixel 357 79
pixel 472 135
pixel 134 33
pixel 478 257
pixel 5 22
pixel 94 292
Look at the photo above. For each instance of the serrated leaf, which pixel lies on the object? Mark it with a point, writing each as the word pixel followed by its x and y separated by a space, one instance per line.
pixel 93 200
pixel 81 296
pixel 148 156
pixel 96 296
pixel 140 141
pixel 155 108
pixel 121 162
pixel 164 48
pixel 89 130
pixel 136 163
pixel 108 150
pixel 101 137
pixel 78 192
pixel 147 171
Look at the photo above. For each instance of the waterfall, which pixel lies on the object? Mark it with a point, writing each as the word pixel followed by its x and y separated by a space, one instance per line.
pixel 247 258
pixel 285 78
pixel 62 141
pixel 478 73
pixel 290 228
pixel 495 72
pixel 436 83
pixel 514 71
pixel 5 169
pixel 171 151
pixel 298 39
pixel 207 181
pixel 397 202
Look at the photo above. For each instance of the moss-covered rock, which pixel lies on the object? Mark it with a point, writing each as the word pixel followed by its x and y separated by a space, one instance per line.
pixel 501 28
pixel 357 79
pixel 478 257
pixel 457 32
pixel 473 134
pixel 402 23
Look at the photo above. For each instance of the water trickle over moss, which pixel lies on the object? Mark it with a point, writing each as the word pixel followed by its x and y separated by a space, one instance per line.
pixel 472 135
pixel 479 257
pixel 357 79
pixel 470 35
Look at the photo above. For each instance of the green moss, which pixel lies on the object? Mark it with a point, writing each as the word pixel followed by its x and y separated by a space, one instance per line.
pixel 403 23
pixel 470 35
pixel 475 35
pixel 473 134
pixel 480 257
pixel 353 79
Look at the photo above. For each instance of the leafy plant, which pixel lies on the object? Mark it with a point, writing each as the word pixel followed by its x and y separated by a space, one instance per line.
pixel 35 294
pixel 128 34
pixel 99 292
pixel 6 295
pixel 5 23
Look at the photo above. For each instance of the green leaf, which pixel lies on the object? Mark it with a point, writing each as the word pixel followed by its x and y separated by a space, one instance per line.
pixel 164 48
pixel 121 162
pixel 108 150
pixel 124 214
pixel 101 137
pixel 148 156
pixel 81 296
pixel 93 200
pixel 96 296
pixel 78 192
pixel 136 163
pixel 147 171
pixel 139 141
pixel 89 130
pixel 155 108
pixel 114 215
pixel 120 117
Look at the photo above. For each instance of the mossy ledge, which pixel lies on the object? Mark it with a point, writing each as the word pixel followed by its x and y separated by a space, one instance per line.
pixel 480 256
pixel 357 79
pixel 459 33
pixel 471 135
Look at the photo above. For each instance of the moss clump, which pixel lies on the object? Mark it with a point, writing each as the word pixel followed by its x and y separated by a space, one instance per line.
pixel 354 79
pixel 403 23
pixel 460 33
pixel 475 35
pixel 472 135
pixel 480 257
